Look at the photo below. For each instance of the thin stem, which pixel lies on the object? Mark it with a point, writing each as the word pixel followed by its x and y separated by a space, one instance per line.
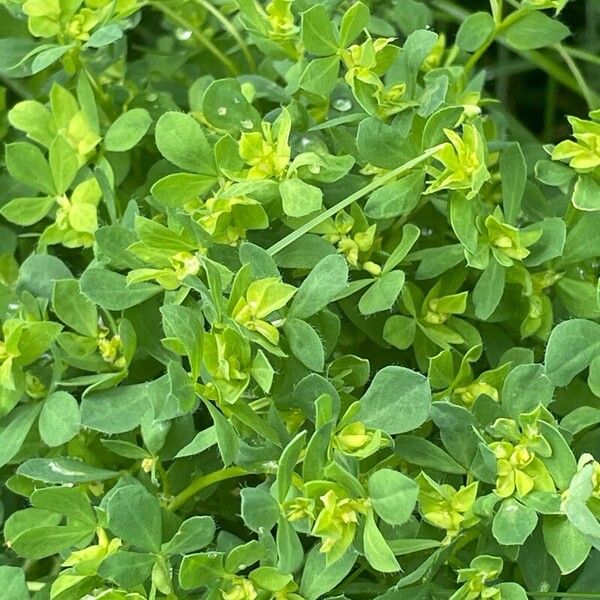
pixel 203 482
pixel 588 94
pixel 500 27
pixel 586 595
pixel 375 184
pixel 231 29
pixel 202 39
pixel 540 60
pixel 582 54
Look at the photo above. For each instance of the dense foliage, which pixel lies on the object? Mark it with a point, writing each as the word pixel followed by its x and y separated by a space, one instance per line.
pixel 292 308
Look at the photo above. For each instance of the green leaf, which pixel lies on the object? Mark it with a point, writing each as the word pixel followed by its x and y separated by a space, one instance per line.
pixel 64 164
pixel 318 35
pixel 134 516
pixel 397 400
pixel 181 140
pixel 177 189
pixel 571 347
pixel 128 130
pixel 535 30
pixel 14 429
pixel 489 290
pixel 74 309
pixel 116 410
pixel 39 273
pixel 227 439
pixel 561 464
pixel 185 324
pixel 111 291
pixel 397 198
pixel 68 501
pixel 41 542
pixel 325 281
pixel 27 211
pixel 525 388
pixel 513 523
pixel 260 510
pixel 354 21
pixel 59 419
pixel 299 199
pixel 26 163
pixel 382 294
pixel 63 470
pixel 318 577
pixel 511 591
pixel 377 551
pixel 513 171
pixel 198 570
pixel 567 546
pixel 474 31
pixel 13 584
pixel 202 441
pixel 320 76
pixel 423 453
pixel 127 569
pixel 104 36
pixel 287 464
pixel 305 343
pixel 393 495
pixel 399 331
pixel 586 193
pixel 226 108
pixel 193 534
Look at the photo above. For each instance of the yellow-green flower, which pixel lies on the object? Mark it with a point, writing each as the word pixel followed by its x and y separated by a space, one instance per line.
pixel 463 160
pixel 583 155
pixel 359 441
pixel 481 570
pixel 336 523
pixel 228 219
pixel 111 348
pixel 239 588
pixel 76 219
pixel 519 470
pixel 281 20
pixel 446 507
pixel 469 393
pixel 262 298
pixel 508 241
pixel 267 152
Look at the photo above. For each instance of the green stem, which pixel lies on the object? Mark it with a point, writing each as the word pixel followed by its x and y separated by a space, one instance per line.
pixel 540 60
pixel 228 26
pixel 588 94
pixel 582 54
pixel 203 482
pixel 500 27
pixel 586 595
pixel 375 184
pixel 199 35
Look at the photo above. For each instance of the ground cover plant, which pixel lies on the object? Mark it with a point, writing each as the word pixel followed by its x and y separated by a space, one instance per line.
pixel 299 300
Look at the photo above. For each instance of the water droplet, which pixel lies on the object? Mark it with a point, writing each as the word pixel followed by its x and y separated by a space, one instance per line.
pixel 153 97
pixel 342 104
pixel 314 169
pixel 183 34
pixel 236 100
pixel 247 124
pixel 221 111
pixel 305 142
pixel 426 231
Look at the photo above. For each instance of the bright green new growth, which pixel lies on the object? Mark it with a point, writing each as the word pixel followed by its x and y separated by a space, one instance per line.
pixel 290 308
